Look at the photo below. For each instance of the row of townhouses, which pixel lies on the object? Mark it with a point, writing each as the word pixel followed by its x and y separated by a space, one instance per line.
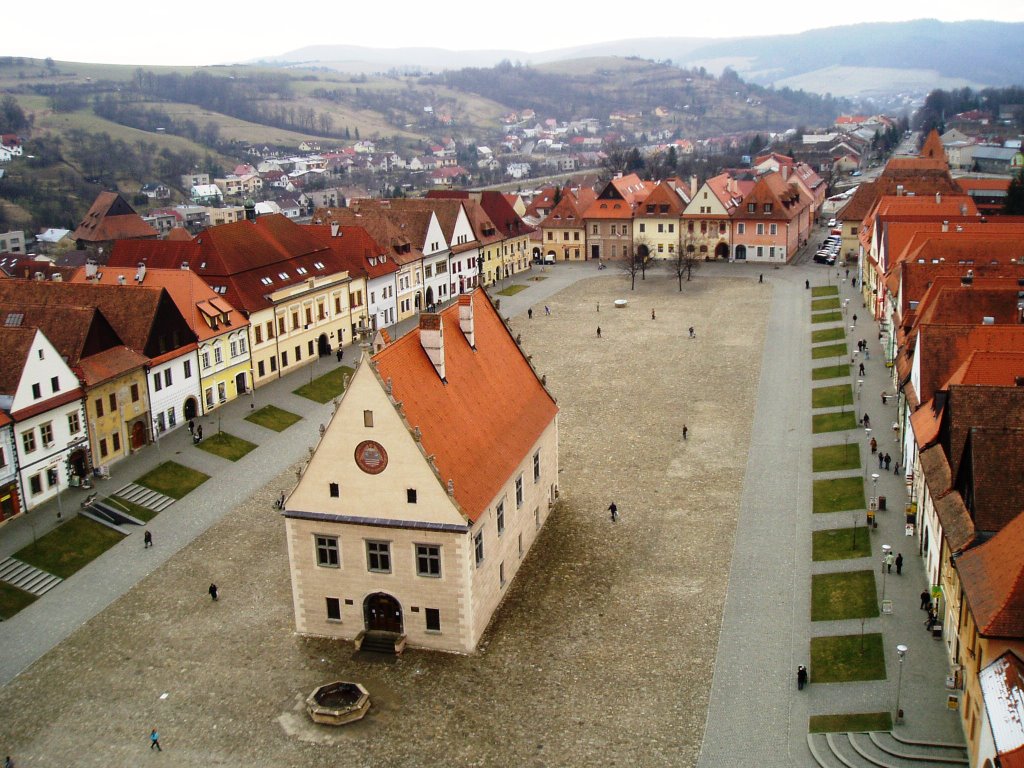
pixel 946 287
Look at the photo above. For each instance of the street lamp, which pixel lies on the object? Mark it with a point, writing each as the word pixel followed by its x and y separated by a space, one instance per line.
pixel 901 654
pixel 867 460
pixel 886 549
pixel 874 490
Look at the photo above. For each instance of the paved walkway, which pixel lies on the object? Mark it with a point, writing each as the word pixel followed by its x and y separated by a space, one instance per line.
pixel 755 708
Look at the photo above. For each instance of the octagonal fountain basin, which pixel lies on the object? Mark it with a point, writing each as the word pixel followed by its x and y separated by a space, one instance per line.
pixel 620 303
pixel 338 703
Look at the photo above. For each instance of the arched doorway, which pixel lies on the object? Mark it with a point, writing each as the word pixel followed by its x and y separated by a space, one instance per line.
pixel 240 385
pixel 741 252
pixel 323 347
pixel 382 612
pixel 417 300
pixel 190 408
pixel 139 434
pixel 722 251
pixel 536 255
pixel 79 463
pixel 430 297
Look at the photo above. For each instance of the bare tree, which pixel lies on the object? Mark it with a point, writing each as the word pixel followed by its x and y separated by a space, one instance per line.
pixel 685 262
pixel 642 251
pixel 632 265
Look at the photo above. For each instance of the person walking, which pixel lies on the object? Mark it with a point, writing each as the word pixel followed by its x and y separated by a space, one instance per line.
pixel 154 741
pixel 693 333
pixel 213 592
pixel 807 284
pixel 529 313
pixel 926 599
pixel 147 540
pixel 760 278
pixel 866 420
pixel 896 467
pixel 874 445
pixel 890 559
pixel 881 459
pixel 899 564
pixel 855 319
pixel 686 431
pixel 191 426
pixel 547 310
pixel 614 511
pixel 341 353
pixel 652 315
pixel 599 331
pixel 199 432
pixel 888 461
pixel 861 372
pixel 801 677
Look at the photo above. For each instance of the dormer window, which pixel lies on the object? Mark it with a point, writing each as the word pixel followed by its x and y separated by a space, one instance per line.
pixel 751 207
pixel 301 270
pixel 767 207
pixel 318 264
pixel 266 281
pixel 283 275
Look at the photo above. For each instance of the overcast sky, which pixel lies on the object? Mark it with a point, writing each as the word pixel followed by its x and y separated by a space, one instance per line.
pixel 122 32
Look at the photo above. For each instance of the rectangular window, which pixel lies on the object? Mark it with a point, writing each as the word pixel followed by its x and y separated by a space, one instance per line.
pixel 103 447
pixel 259 334
pixel 327 553
pixel 501 573
pixel 135 393
pixel 270 330
pixel 367 418
pixel 751 207
pixel 309 348
pixel 209 397
pixel 410 495
pixel 433 619
pixel 661 227
pixel 115 439
pixel 273 364
pixel 222 392
pixel 73 423
pixel 741 229
pixel 767 207
pixel 167 377
pixel 218 355
pixel 309 315
pixel 671 228
pixel 760 229
pixel 771 252
pixel 536 467
pixel 37 391
pixel 46 434
pixel 204 360
pixel 478 547
pixel 378 556
pixel 3 457
pixel 428 560
pixel 334 489
pixel 161 422
pixel 158 383
pixel 261 370
pixel 281 329
pixel 284 359
pixel 499 514
pixel 99 407
pixel 112 400
pixel 520 545
pixel 519 492
pixel 773 229
pixel 643 227
pixel 187 366
pixel 35 484
pixel 28 441
pixel 333 609
pixel 55 384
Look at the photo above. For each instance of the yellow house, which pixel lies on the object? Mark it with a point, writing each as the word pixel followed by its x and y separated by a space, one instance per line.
pixel 657 224
pixel 398 533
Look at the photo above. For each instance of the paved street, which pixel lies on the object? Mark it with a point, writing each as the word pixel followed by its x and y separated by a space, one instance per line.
pixel 615 646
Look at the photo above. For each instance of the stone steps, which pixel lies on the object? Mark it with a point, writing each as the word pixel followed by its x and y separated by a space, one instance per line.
pixel 144 497
pixel 27 577
pixel 881 750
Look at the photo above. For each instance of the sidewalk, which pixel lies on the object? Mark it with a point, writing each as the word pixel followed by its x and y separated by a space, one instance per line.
pixel 755 707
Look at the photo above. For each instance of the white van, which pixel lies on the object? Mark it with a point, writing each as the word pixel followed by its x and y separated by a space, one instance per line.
pixel 549 257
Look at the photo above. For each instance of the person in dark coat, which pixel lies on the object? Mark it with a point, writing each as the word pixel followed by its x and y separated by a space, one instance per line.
pixel 899 564
pixel 614 511
pixel 801 677
pixel 147 540
pixel 213 591
pixel 926 599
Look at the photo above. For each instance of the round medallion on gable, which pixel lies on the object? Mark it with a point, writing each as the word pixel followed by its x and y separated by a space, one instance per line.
pixel 371 457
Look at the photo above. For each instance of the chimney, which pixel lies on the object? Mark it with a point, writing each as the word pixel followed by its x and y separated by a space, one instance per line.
pixel 693 186
pixel 466 318
pixel 335 228
pixel 963 209
pixel 121 280
pixel 899 190
pixel 91 269
pixel 938 198
pixel 140 274
pixel 945 226
pixel 432 340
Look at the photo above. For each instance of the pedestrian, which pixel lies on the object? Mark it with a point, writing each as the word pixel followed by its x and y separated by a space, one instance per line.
pixel 599 306
pixel 931 620
pixel 867 424
pixel 341 353
pixel 213 592
pixel 191 426
pixel 8 762
pixel 801 677
pixel 861 371
pixel 890 559
pixel 874 447
pixel 881 459
pixel 615 512
pixel 147 540
pixel 807 284
pixel 547 310
pixel 686 431
pixel 855 319
pixel 899 564
pixel 847 272
pixel 888 461
pixel 652 314
pixel 760 278
pixel 926 599
pixel 599 331
pixel 853 281
pixel 896 467
pixel 884 398
pixel 199 431
pixel 154 741
pixel 280 501
pixel 693 333
pixel 529 313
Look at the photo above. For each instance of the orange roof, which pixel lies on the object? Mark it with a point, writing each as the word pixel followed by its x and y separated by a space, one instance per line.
pixel 609 209
pixel 932 147
pixel 949 302
pixel 1000 369
pixel 663 202
pixel 968 183
pixel 457 417
pixel 992 578
pixel 111 218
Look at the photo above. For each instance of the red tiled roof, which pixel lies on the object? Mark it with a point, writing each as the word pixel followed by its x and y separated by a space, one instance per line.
pixel 108 364
pixel 356 249
pixel 457 418
pixel 111 218
pixel 992 579
pixel 15 344
pixel 662 196
pixel 991 475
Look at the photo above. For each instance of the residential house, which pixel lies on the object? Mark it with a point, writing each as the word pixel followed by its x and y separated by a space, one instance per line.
pixel 206 194
pixel 299 299
pixel 12 241
pixel 108 220
pixel 190 180
pixel 657 226
pixel 706 218
pixel 41 395
pixel 413 540
pixel 609 219
pixel 156 191
pixel 10 497
pixel 563 230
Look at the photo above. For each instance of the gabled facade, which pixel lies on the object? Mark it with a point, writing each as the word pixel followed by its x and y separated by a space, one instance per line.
pixel 657 225
pixel 397 527
pixel 563 231
pixel 609 219
pixel 706 224
pixel 772 222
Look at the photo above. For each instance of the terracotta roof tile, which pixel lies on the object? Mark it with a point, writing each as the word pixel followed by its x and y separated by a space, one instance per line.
pixel 992 578
pixel 109 364
pixel 457 419
pixel 111 218
pixel 15 344
pixel 991 475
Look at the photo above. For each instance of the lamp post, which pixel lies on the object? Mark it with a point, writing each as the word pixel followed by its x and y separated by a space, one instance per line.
pixel 860 385
pixel 867 436
pixel 901 654
pixel 886 549
pixel 874 490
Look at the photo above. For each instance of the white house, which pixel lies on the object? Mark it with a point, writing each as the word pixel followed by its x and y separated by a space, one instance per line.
pixel 41 394
pixel 10 499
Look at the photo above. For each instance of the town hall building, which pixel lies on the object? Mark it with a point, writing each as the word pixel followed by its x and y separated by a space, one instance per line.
pixel 427 489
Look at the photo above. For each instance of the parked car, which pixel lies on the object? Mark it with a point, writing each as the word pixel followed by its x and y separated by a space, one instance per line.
pixel 831 223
